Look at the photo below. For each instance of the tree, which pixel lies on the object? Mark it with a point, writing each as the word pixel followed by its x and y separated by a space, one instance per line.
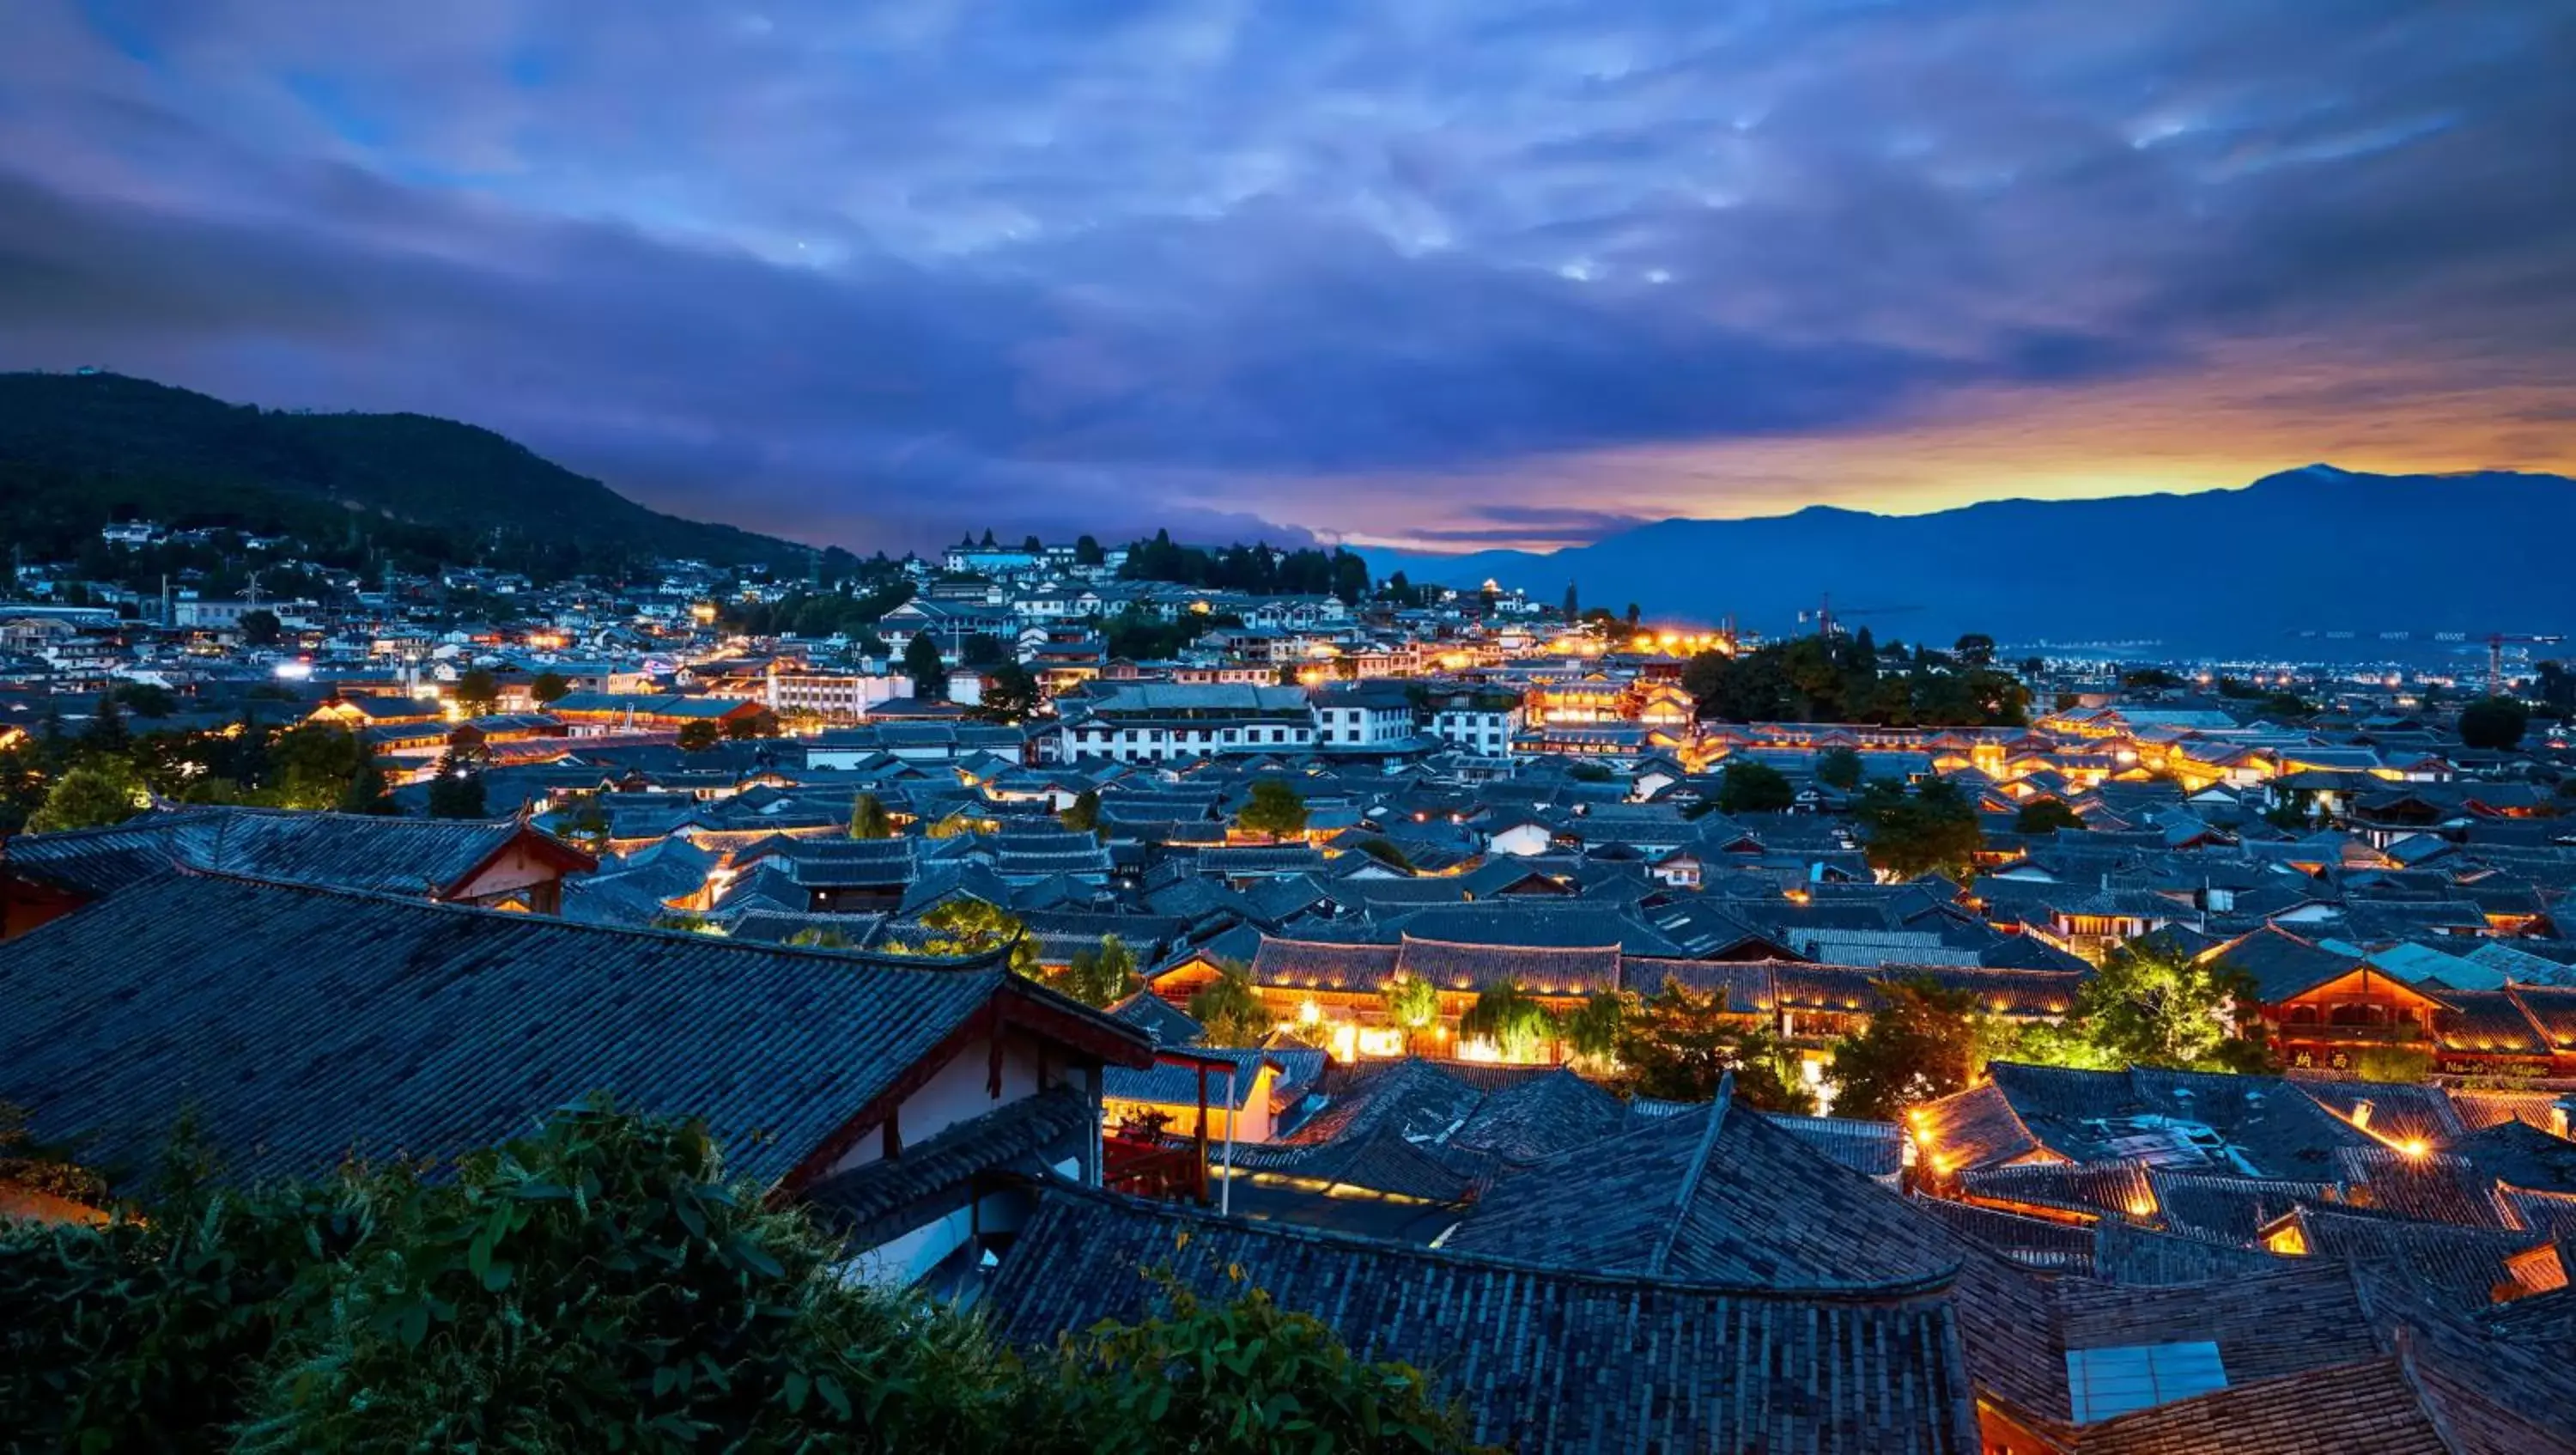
pixel 923 664
pixel 1572 613
pixel 1087 552
pixel 549 688
pixel 478 694
pixel 1083 814
pixel 1273 809
pixel 1011 695
pixel 260 627
pixel 968 928
pixel 106 735
pixel 455 793
pixel 1230 1010
pixel 1101 976
pixel 1928 832
pixel 2046 816
pixel 1595 1032
pixel 982 649
pixel 2144 1008
pixel 869 819
pixel 92 795
pixel 1767 1075
pixel 1840 768
pixel 1511 1019
pixel 761 724
pixel 1386 852
pixel 1976 649
pixel 699 734
pixel 147 699
pixel 1412 1005
pixel 368 792
pixel 1926 1042
pixel 1679 1044
pixel 1750 787
pixel 1634 616
pixel 2494 723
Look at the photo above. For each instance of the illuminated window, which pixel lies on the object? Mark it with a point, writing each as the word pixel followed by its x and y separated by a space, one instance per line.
pixel 2116 1381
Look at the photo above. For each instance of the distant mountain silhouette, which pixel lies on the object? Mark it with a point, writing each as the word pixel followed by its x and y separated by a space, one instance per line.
pixel 2316 549
pixel 78 450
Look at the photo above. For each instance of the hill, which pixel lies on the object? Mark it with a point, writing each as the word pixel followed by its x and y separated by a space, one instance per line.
pixel 2313 550
pixel 77 451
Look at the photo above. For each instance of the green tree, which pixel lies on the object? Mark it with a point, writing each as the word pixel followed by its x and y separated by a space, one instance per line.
pixel 1230 1010
pixel 478 693
pixel 260 627
pixel 1976 649
pixel 1412 1006
pixel 2494 723
pixel 922 663
pixel 869 819
pixel 1679 1044
pixel 2046 816
pixel 981 649
pixel 2144 1008
pixel 549 687
pixel 92 795
pixel 1511 1018
pixel 1083 814
pixel 699 734
pixel 1840 768
pixel 967 928
pixel 455 792
pixel 1749 787
pixel 1932 831
pixel 761 724
pixel 367 792
pixel 1767 1075
pixel 1087 552
pixel 1011 695
pixel 147 699
pixel 1925 1043
pixel 1273 808
pixel 1386 852
pixel 1596 1031
pixel 1102 975
pixel 106 735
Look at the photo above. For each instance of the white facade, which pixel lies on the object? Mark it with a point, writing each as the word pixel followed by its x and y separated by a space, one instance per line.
pixel 1485 734
pixel 1346 723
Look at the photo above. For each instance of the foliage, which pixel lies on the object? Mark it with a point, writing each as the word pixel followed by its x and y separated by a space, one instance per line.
pixel 260 627
pixel 1239 1374
pixel 1101 976
pixel 1254 569
pixel 1083 814
pixel 2495 723
pixel 455 792
pixel 1926 1042
pixel 1596 1031
pixel 1814 679
pixel 2411 1064
pixel 869 819
pixel 1273 808
pixel 478 693
pixel 699 734
pixel 982 649
pixel 1412 1005
pixel 761 724
pixel 968 928
pixel 1511 1018
pixel 1753 788
pixel 146 699
pixel 1590 773
pixel 548 687
pixel 1385 852
pixel 90 796
pixel 1932 831
pixel 923 664
pixel 2047 816
pixel 2148 1009
pixel 1679 1045
pixel 1011 695
pixel 1840 768
pixel 1230 1011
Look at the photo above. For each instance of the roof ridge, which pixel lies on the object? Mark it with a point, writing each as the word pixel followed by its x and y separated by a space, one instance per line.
pixel 1689 1188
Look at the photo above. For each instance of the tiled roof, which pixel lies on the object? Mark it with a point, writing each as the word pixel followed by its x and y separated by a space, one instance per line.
pixel 2366 1408
pixel 1544 1359
pixel 302 1024
pixel 867 1204
pixel 406 856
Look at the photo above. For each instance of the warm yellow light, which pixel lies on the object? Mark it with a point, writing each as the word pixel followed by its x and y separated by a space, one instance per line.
pixel 2412 1147
pixel 2141 1207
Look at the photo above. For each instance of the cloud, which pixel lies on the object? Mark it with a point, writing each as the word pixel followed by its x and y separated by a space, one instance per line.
pixel 1428 270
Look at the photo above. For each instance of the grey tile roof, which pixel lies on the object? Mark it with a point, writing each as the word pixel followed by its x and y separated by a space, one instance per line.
pixel 335 850
pixel 303 1024
pixel 1545 1359
pixel 893 1195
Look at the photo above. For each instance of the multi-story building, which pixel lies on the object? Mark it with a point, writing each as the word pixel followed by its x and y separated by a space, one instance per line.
pixel 1151 722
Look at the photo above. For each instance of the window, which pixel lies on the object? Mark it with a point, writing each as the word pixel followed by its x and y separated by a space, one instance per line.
pixel 2116 1381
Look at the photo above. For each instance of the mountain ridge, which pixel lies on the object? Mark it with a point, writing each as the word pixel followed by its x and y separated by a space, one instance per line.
pixel 79 450
pixel 2315 549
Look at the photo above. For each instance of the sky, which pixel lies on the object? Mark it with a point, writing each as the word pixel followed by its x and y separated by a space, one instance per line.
pixel 1444 274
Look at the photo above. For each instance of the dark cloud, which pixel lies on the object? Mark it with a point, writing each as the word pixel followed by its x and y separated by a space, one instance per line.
pixel 873 273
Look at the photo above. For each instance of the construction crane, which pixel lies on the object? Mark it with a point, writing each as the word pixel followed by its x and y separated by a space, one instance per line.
pixel 2495 655
pixel 1825 617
